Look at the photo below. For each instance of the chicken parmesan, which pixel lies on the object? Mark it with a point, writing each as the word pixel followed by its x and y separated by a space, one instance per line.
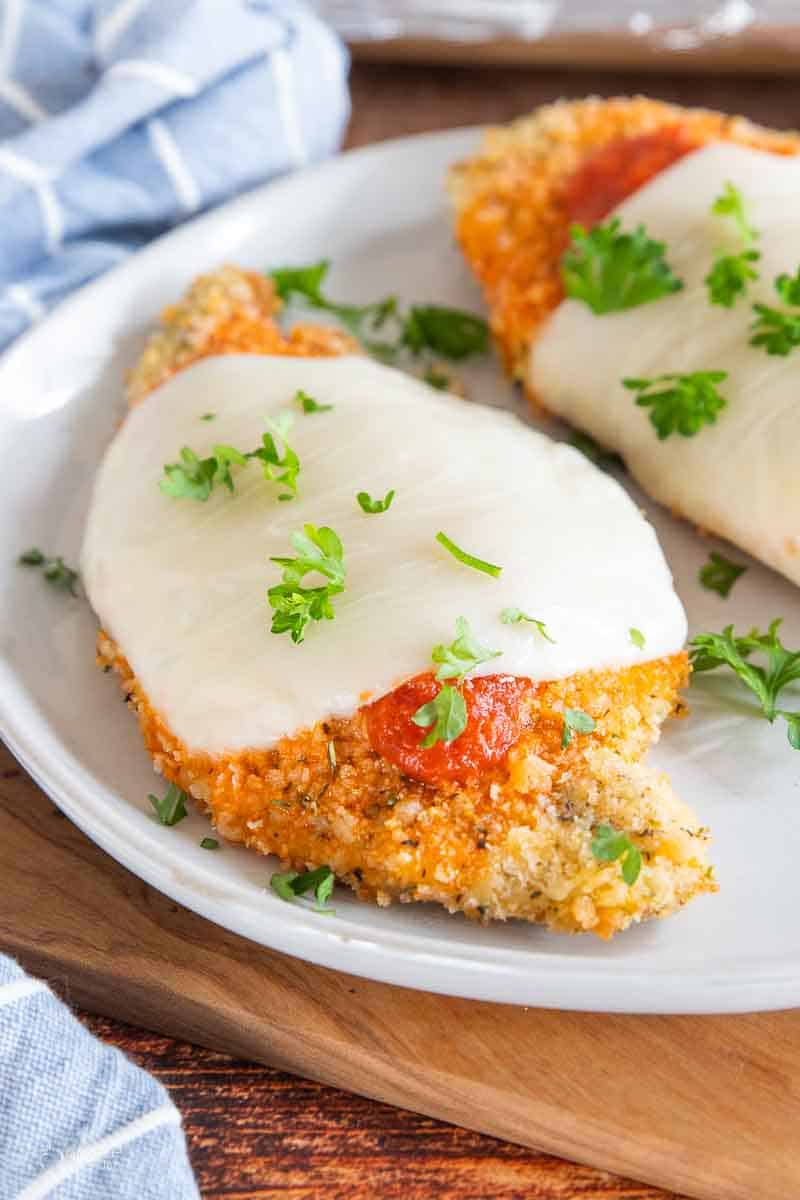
pixel 371 627
pixel 642 266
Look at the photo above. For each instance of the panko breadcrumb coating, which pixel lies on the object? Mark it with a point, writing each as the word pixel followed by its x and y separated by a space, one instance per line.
pixel 511 199
pixel 515 843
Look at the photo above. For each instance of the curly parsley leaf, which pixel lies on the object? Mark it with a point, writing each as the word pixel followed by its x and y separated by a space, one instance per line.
pixel 54 569
pixel 691 401
pixel 309 404
pixel 609 845
pixel 730 203
pixel 375 506
pixel 602 458
pixel 305 284
pixel 195 478
pixel 209 843
pixel 729 277
pixel 462 655
pixel 612 271
pixel 778 331
pixel 711 650
pixel 279 460
pixel 575 721
pixel 446 715
pixel 447 331
pixel 637 637
pixel 469 560
pixel 319 550
pixel 289 885
pixel 192 478
pixel 719 574
pixel 515 616
pixel 171 808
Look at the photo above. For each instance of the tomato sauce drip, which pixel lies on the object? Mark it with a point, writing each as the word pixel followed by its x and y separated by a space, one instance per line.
pixel 616 171
pixel 495 717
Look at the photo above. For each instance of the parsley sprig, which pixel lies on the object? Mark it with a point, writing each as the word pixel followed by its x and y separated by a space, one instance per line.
pixel 690 402
pixel 309 405
pixel 613 271
pixel 515 616
pixel 719 574
pixel 575 721
pixel 320 551
pixel 54 569
pixel 782 667
pixel 778 331
pixel 368 505
pixel 609 845
pixel 449 332
pixel 195 478
pixel 731 273
pixel 446 714
pixel 289 885
pixel 171 808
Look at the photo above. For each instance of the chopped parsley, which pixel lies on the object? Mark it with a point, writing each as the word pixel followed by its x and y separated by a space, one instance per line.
pixel 54 570
pixel 305 284
pixel 469 560
pixel 279 467
pixel 172 807
pixel 515 616
pixel 609 845
pixel 209 843
pixel 195 478
pixel 719 574
pixel 690 402
pixel 712 650
pixel 309 404
pixel 319 550
pixel 637 637
pixel 612 271
pixel 731 273
pixel 575 721
pixel 602 458
pixel 447 331
pixel 446 714
pixel 208 417
pixel 291 884
pixel 777 331
pixel 462 655
pixel 375 506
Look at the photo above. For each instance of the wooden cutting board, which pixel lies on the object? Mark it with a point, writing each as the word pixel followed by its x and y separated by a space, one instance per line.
pixel 706 1106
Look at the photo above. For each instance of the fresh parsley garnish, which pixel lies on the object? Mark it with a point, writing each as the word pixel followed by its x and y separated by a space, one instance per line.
pixel 712 650
pixel 319 550
pixel 609 845
pixel 462 655
pixel 777 331
pixel 309 404
pixel 637 637
pixel 690 402
pixel 55 570
pixel 195 478
pixel 208 417
pixel 446 714
pixel 208 843
pixel 719 574
pixel 575 721
pixel 613 271
pixel 602 458
pixel 469 560
pixel 375 506
pixel 515 616
pixel 171 808
pixel 279 460
pixel 425 327
pixel 291 884
pixel 731 273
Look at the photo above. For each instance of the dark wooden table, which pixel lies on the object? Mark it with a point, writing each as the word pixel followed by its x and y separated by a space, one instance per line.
pixel 255 1132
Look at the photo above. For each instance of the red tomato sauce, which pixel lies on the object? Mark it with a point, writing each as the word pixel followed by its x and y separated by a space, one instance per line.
pixel 611 174
pixel 495 716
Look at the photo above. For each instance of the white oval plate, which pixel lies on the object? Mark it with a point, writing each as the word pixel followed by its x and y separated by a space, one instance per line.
pixel 380 215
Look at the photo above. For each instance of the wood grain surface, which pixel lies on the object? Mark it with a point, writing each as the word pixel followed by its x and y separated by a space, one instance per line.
pixel 255 1131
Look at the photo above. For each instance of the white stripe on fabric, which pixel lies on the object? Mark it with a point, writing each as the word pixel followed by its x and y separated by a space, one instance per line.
pixel 20 100
pixel 26 302
pixel 52 218
pixel 283 74
pixel 154 72
pixel 86 1156
pixel 111 27
pixel 25 169
pixel 20 989
pixel 173 162
pixel 9 39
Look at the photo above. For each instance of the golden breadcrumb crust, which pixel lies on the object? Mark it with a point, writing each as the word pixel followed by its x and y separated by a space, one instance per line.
pixel 511 216
pixel 516 843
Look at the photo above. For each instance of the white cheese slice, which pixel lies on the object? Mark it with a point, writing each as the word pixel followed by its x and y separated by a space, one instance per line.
pixel 182 585
pixel 738 478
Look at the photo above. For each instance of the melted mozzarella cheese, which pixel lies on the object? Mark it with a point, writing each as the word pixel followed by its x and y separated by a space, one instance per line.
pixel 182 586
pixel 738 478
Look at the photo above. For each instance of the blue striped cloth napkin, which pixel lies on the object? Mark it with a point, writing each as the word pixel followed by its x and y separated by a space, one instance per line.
pixel 118 119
